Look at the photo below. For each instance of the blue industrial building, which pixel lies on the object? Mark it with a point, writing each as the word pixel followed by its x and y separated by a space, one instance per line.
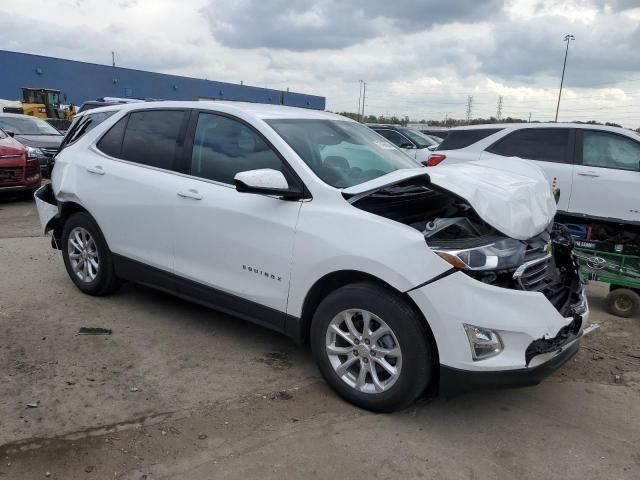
pixel 81 81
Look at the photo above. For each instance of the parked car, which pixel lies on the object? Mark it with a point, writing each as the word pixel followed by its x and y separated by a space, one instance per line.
pixel 311 224
pixel 60 124
pixel 439 132
pixel 18 172
pixel 41 139
pixel 412 142
pixel 596 168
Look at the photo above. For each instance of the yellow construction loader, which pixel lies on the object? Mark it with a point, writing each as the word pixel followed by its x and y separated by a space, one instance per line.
pixel 42 103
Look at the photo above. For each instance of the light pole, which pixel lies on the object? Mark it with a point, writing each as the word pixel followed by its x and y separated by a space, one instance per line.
pixel 567 38
pixel 359 100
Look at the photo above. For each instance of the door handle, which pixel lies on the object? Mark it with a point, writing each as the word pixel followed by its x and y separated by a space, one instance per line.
pixel 589 174
pixel 191 193
pixel 97 170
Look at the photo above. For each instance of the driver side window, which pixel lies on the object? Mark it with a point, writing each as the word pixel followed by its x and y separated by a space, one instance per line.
pixel 607 150
pixel 223 147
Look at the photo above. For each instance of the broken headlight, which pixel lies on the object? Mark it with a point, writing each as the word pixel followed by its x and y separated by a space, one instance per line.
pixel 500 255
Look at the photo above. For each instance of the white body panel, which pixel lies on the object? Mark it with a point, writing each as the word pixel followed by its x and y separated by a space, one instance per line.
pixel 211 235
pixel 623 191
pixel 236 242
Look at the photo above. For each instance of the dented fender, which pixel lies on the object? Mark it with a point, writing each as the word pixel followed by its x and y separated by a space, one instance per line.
pixel 47 207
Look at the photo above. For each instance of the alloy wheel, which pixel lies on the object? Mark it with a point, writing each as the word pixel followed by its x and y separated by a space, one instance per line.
pixel 363 351
pixel 83 255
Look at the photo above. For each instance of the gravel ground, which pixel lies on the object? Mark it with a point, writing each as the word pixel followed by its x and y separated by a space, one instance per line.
pixel 181 392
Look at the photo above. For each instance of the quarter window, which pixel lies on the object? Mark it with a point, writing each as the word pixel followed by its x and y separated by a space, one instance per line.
pixel 544 144
pixel 223 147
pixel 603 149
pixel 152 138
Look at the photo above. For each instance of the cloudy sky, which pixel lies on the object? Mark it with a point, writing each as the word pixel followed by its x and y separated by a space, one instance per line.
pixel 420 58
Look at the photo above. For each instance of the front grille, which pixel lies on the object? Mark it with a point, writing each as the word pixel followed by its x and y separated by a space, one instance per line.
pixel 49 152
pixel 536 275
pixel 11 175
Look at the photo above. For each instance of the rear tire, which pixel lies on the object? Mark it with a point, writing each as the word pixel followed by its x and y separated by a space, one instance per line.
pixel 623 302
pixel 343 357
pixel 86 256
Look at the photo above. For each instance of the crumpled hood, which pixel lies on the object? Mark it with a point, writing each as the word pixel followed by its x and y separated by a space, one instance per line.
pixel 513 197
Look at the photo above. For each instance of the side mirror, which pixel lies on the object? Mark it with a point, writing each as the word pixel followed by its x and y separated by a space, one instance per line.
pixel 407 145
pixel 10 133
pixel 266 181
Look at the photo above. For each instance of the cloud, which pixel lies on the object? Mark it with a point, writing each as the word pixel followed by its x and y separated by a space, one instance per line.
pixel 330 24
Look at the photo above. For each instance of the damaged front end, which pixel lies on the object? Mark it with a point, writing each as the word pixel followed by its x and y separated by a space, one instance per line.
pixel 544 263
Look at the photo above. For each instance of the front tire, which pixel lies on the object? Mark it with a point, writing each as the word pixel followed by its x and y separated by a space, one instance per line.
pixel 372 347
pixel 86 256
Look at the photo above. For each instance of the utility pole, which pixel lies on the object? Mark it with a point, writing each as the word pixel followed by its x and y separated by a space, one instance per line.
pixel 364 96
pixel 499 111
pixel 469 108
pixel 567 38
pixel 359 100
pixel 529 117
pixel 113 58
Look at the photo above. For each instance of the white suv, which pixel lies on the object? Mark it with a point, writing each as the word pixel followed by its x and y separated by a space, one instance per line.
pixel 315 226
pixel 596 168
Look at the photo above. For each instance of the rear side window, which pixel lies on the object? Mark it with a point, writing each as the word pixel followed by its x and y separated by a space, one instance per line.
pixel 544 144
pixel 151 138
pixel 111 143
pixel 458 139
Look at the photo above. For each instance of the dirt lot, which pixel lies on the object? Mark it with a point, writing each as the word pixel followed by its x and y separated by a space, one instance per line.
pixel 181 392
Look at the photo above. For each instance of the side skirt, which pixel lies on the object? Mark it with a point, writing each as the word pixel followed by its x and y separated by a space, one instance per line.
pixel 205 295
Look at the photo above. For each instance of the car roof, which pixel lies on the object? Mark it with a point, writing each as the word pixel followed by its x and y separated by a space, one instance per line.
pixel 386 125
pixel 516 126
pixel 257 110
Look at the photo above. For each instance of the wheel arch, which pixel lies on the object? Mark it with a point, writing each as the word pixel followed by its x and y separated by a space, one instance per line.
pixel 337 279
pixel 67 209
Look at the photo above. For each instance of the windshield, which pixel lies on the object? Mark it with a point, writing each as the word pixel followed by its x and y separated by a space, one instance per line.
pixel 341 153
pixel 420 139
pixel 24 125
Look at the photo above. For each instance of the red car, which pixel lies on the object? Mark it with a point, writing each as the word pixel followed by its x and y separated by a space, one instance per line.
pixel 17 172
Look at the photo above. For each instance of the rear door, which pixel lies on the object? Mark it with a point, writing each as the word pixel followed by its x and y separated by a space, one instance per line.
pixel 235 248
pixel 128 184
pixel 550 148
pixel 606 180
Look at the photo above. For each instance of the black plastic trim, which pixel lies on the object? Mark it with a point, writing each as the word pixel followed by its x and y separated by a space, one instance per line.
pixel 211 297
pixel 434 279
pixel 454 381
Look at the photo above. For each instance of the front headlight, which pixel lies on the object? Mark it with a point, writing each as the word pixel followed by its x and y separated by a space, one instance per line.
pixel 501 255
pixel 34 152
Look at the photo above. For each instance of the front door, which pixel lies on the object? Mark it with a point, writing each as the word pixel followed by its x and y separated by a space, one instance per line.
pixel 233 248
pixel 606 181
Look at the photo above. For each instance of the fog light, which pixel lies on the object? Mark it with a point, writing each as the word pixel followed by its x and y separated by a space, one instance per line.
pixel 484 343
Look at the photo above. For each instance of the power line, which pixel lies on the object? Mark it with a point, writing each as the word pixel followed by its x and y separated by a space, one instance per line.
pixel 499 110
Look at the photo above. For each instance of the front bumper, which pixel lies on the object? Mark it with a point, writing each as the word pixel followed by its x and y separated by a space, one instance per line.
pixel 454 381
pixel 537 339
